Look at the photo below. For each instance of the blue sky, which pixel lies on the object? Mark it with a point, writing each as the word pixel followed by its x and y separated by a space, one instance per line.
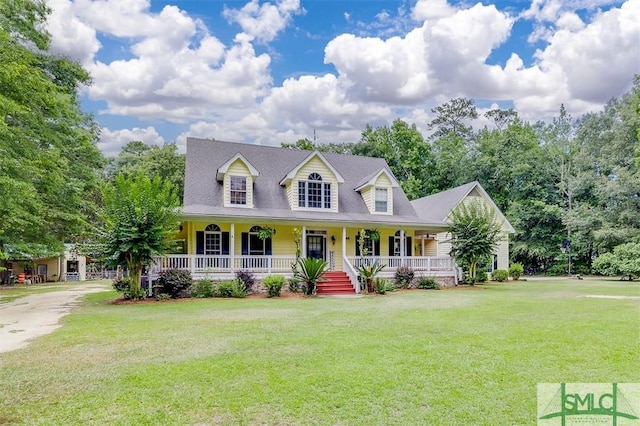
pixel 276 71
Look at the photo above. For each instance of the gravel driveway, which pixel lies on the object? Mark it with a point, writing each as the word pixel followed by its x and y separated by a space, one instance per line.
pixel 35 315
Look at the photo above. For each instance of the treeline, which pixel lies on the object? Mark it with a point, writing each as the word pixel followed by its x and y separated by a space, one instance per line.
pixel 569 186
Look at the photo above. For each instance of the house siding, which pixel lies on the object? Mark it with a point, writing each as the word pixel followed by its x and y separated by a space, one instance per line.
pixel 369 194
pixel 237 168
pixel 314 165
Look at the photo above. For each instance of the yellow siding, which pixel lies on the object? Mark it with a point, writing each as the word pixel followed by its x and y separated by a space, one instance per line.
pixel 315 165
pixel 368 195
pixel 383 181
pixel 238 168
pixel 503 253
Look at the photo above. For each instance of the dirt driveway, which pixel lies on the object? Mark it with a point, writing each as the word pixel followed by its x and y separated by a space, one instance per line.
pixel 35 315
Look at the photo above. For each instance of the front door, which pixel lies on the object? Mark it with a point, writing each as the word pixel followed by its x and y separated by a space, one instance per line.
pixel 315 246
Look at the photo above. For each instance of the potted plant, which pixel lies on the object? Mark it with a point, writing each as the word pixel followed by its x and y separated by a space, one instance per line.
pixel 266 232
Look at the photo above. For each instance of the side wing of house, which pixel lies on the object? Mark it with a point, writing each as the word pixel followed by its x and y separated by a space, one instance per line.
pixel 437 208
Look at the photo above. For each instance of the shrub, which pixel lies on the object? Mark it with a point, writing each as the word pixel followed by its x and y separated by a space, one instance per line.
pixel 311 271
pixel 294 285
pixel 428 283
pixel 231 288
pixel 129 292
pixel 404 276
pixel 163 297
pixel 516 270
pixel 247 279
pixel 274 284
pixel 605 264
pixel 481 276
pixel 176 282
pixel 202 289
pixel 382 285
pixel 500 275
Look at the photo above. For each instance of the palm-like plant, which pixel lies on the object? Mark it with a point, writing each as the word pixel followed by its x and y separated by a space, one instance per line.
pixel 368 273
pixel 310 272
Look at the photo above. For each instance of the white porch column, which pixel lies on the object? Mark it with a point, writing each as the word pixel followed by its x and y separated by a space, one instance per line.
pixel 304 242
pixel 403 247
pixel 344 242
pixel 422 244
pixel 232 246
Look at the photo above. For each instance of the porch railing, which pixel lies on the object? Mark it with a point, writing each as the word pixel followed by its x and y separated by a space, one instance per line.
pixel 351 273
pixel 435 265
pixel 223 264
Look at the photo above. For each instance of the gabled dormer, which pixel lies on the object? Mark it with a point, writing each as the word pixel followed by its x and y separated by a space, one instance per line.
pixel 237 176
pixel 313 184
pixel 377 192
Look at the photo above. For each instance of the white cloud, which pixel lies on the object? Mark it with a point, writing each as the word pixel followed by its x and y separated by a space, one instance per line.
pixel 174 68
pixel 427 10
pixel 72 37
pixel 264 22
pixel 112 141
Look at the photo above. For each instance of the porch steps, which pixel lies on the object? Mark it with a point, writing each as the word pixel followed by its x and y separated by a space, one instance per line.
pixel 336 282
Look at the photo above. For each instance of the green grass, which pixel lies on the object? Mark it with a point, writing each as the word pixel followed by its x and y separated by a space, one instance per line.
pixel 463 356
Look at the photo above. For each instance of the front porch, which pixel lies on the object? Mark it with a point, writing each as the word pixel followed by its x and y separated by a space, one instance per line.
pixel 225 266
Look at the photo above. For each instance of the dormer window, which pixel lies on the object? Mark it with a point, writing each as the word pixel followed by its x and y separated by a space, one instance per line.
pixel 238 190
pixel 381 200
pixel 314 193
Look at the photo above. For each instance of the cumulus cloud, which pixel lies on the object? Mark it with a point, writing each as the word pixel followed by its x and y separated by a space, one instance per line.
pixel 112 141
pixel 264 21
pixel 174 68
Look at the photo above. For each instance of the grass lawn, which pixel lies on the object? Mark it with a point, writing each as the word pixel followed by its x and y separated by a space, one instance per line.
pixel 461 356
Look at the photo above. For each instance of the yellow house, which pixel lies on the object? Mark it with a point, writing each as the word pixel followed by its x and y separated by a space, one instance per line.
pixel 253 207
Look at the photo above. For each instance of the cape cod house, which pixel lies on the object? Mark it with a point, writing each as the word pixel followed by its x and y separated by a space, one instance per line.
pixel 252 207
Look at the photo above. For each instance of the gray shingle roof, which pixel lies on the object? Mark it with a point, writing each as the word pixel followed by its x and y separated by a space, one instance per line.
pixel 204 194
pixel 436 208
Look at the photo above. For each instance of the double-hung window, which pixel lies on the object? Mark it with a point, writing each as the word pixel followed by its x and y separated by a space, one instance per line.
pixel 238 190
pixel 381 200
pixel 314 193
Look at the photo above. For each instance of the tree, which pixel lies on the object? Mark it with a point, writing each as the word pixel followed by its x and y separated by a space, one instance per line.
pixel 140 222
pixel 452 118
pixel 409 156
pixel 49 164
pixel 624 261
pixel 163 161
pixel 475 234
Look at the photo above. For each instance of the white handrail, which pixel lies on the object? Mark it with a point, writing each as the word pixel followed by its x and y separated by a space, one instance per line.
pixel 351 273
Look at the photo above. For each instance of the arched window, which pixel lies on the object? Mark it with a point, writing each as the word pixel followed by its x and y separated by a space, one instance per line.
pixel 314 193
pixel 212 240
pixel 253 245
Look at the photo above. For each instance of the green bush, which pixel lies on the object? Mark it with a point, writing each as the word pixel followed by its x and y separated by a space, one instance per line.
pixel 404 276
pixel 516 270
pixel 176 282
pixel 605 264
pixel 202 289
pixel 163 297
pixel 231 288
pixel 382 285
pixel 500 275
pixel 481 276
pixel 274 284
pixel 123 285
pixel 293 285
pixel 247 279
pixel 428 283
